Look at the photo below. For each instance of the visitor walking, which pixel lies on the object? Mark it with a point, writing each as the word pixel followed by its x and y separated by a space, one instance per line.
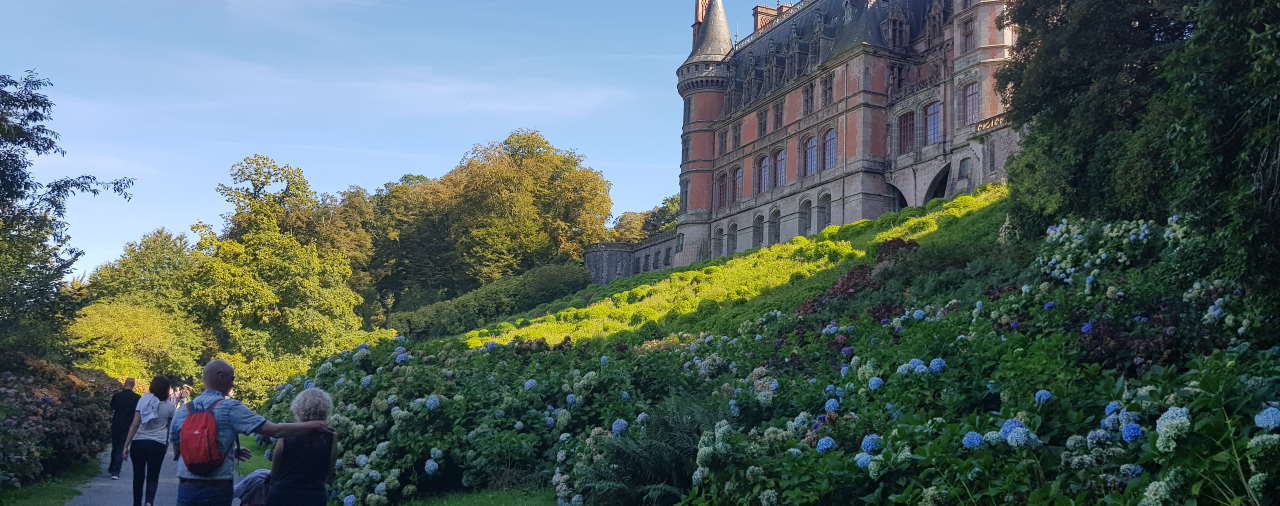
pixel 123 404
pixel 207 450
pixel 149 439
pixel 300 465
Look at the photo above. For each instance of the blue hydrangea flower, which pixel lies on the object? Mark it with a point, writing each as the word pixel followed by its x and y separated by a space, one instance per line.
pixel 519 425
pixel 1112 407
pixel 1049 305
pixel 604 360
pixel 362 460
pixel 362 346
pixel 365 381
pixel 733 408
pixel 642 417
pixel 832 405
pixel 437 453
pixel 918 314
pixel 971 440
pixel 403 357
pixel 826 444
pixel 829 389
pixel 349 500
pixel 872 443
pixel 1097 437
pixel 392 400
pixel 1268 419
pixel 551 422
pixel 1086 328
pixel 431 466
pixel 773 385
pixel 309 384
pixel 530 384
pixel 813 380
pixel 625 396
pixel 904 369
pixel 937 365
pixel 399 350
pixel 433 402
pixel 339 382
pixel 571 400
pixel 490 345
pixel 619 425
pixel 1043 396
pixel 977 305
pixel 1131 470
pixel 875 383
pixel 914 363
pixel 846 351
pixel 401 339
pixel 1020 437
pixel 1009 425
pixel 844 371
pixel 921 369
pixel 862 459
pixel 1131 432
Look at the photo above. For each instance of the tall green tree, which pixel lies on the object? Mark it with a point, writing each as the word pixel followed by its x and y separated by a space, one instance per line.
pixel 34 255
pixel 158 266
pixel 1079 79
pixel 128 336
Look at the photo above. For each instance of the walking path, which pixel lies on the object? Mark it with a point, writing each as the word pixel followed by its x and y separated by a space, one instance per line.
pixel 104 491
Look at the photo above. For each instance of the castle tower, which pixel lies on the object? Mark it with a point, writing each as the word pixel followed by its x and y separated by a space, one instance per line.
pixel 703 81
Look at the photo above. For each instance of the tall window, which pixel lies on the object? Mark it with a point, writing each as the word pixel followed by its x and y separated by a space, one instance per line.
pixel 775 227
pixel 780 168
pixel 737 135
pixel 778 108
pixel 731 242
pixel 684 196
pixel 933 123
pixel 898 33
pixel 906 132
pixel 722 190
pixel 688 110
pixel 737 184
pixel 684 149
pixel 970 103
pixel 762 175
pixel 757 232
pixel 762 123
pixel 829 150
pixel 824 211
pixel 724 141
pixel 828 90
pixel 811 156
pixel 806 217
pixel 969 37
pixel 807 93
pixel 966 167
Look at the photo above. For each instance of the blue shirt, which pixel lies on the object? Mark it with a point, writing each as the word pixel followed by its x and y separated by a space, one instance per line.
pixel 233 419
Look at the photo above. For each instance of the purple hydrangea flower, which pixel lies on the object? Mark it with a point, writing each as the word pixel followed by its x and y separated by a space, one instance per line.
pixel 1086 328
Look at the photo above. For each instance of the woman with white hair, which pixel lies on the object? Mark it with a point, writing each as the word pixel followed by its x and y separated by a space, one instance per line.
pixel 301 465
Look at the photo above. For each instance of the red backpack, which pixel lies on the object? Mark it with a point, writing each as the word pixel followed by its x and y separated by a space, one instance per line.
pixel 198 440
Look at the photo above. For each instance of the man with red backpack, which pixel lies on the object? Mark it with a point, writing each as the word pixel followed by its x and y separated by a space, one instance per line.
pixel 204 435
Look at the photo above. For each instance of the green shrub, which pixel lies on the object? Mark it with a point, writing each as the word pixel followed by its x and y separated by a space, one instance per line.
pixel 506 296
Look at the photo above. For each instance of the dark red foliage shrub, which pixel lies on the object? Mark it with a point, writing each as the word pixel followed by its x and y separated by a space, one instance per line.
pixel 858 278
pixel 894 249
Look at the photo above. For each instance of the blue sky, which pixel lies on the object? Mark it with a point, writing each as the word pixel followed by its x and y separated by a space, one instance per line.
pixel 355 92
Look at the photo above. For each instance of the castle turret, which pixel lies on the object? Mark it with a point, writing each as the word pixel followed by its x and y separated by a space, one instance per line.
pixel 703 80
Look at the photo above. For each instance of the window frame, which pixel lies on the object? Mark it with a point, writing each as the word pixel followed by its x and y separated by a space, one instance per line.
pixel 933 123
pixel 830 149
pixel 970 100
pixel 762 123
pixel 906 132
pixel 811 162
pixel 779 167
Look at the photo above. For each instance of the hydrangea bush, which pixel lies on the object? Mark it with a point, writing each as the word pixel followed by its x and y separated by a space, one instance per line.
pixel 1054 384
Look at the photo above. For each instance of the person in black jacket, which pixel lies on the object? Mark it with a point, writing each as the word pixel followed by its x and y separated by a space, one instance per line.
pixel 123 405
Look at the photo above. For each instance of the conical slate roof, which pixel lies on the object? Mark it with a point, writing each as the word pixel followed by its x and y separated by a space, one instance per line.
pixel 716 42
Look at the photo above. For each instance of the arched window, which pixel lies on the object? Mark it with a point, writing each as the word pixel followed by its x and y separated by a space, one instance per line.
pixel 966 169
pixel 732 240
pixel 806 217
pixel 824 211
pixel 717 242
pixel 780 168
pixel 762 174
pixel 722 190
pixel 775 225
pixel 829 150
pixel 757 232
pixel 737 184
pixel 933 123
pixel 811 156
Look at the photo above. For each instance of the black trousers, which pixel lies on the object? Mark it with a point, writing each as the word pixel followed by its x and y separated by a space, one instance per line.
pixel 147 456
pixel 117 450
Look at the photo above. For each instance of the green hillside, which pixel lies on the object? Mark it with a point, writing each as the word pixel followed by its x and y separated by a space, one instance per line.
pixel 920 358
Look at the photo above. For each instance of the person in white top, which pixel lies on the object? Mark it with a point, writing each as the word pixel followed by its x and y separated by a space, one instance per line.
pixel 149 439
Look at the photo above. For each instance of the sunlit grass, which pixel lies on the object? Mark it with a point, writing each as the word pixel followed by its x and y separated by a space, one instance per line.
pixel 716 294
pixel 491 498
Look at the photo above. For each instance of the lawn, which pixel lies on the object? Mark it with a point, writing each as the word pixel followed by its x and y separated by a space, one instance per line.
pixel 53 492
pixel 259 460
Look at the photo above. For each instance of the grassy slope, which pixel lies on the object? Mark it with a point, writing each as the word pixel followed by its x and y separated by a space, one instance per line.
pixel 512 497
pixel 717 295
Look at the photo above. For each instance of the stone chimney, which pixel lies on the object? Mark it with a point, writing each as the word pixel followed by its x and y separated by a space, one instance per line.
pixel 765 15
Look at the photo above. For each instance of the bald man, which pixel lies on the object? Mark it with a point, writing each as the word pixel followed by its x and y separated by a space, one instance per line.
pixel 123 404
pixel 233 418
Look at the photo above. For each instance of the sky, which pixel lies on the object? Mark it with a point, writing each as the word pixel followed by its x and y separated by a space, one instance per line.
pixel 354 92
